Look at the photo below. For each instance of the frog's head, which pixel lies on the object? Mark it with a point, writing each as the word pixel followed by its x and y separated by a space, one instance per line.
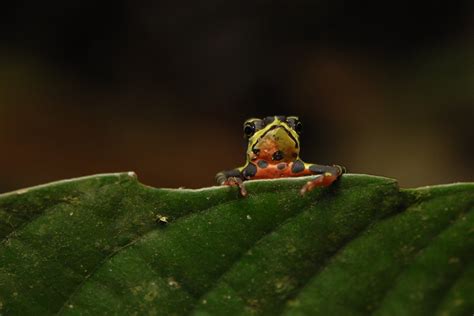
pixel 273 139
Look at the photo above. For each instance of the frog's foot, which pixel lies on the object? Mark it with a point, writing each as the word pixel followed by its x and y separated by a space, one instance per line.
pixel 235 181
pixel 321 180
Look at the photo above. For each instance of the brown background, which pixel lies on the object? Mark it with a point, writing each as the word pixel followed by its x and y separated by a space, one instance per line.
pixel 162 88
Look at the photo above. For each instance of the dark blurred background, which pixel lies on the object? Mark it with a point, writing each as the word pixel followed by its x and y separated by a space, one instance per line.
pixel 162 87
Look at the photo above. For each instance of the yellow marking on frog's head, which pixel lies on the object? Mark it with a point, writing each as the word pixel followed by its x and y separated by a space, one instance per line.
pixel 273 139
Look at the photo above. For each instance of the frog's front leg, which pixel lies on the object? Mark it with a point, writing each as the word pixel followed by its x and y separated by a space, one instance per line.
pixel 325 176
pixel 232 177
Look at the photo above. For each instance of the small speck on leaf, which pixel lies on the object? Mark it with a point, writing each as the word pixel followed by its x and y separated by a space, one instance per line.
pixel 173 283
pixel 453 260
pixel 161 219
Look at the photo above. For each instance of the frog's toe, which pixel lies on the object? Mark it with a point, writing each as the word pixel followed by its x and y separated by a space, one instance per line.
pixel 235 181
pixel 321 180
pixel 341 169
pixel 310 185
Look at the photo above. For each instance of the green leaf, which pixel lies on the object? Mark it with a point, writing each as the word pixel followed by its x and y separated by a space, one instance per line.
pixel 94 246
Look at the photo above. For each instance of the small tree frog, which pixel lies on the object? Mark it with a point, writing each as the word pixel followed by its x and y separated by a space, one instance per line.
pixel 273 152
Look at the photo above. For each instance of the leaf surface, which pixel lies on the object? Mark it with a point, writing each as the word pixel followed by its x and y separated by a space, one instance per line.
pixel 94 246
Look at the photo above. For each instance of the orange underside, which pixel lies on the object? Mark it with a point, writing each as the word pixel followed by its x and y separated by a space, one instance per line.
pixel 272 171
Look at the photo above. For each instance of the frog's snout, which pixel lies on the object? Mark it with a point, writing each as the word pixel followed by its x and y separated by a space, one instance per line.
pixel 283 137
pixel 277 145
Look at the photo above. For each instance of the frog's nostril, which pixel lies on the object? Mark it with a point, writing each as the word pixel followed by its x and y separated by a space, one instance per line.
pixel 256 151
pixel 278 155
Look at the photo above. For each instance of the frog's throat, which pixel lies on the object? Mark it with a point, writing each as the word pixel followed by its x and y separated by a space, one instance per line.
pixel 271 129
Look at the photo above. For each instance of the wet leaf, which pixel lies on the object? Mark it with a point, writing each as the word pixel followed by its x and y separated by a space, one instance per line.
pixel 108 244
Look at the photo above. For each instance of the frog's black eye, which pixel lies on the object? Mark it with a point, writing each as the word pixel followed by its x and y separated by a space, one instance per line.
pixel 298 127
pixel 249 129
pixel 295 124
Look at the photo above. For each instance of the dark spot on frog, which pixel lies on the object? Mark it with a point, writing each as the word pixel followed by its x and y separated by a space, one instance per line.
pixel 278 155
pixel 317 169
pixel 282 165
pixel 268 120
pixel 262 164
pixel 249 171
pixel 297 167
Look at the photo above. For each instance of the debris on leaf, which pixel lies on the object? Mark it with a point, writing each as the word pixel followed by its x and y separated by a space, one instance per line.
pixel 161 219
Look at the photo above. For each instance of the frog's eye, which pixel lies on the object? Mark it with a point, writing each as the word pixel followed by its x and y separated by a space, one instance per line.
pixel 298 127
pixel 295 124
pixel 249 129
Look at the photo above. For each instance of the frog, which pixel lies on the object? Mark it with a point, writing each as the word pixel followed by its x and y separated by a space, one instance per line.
pixel 273 151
